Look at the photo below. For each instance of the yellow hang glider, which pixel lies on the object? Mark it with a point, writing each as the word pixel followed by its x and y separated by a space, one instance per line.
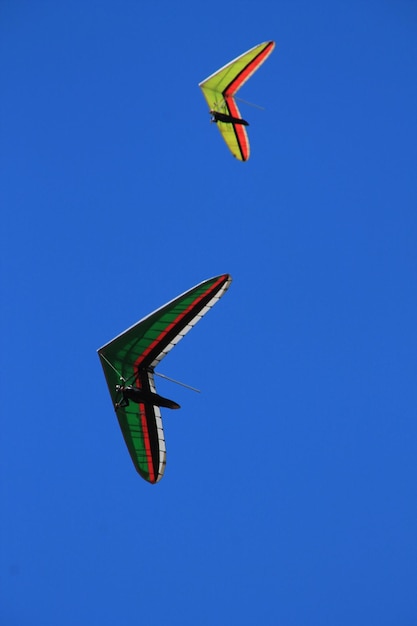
pixel 219 90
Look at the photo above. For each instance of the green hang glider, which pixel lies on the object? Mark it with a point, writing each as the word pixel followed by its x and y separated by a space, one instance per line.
pixel 129 362
pixel 220 89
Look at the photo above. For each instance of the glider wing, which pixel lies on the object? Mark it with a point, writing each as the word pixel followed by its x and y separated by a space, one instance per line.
pixel 220 88
pixel 132 356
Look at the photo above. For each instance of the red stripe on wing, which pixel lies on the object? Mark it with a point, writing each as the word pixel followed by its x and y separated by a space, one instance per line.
pixel 239 129
pixel 247 71
pixel 146 437
pixel 179 317
pixel 147 442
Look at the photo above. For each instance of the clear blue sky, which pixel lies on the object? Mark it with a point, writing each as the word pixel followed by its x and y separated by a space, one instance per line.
pixel 290 495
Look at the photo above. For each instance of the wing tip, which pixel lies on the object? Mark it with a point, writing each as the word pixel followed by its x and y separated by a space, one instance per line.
pixel 225 279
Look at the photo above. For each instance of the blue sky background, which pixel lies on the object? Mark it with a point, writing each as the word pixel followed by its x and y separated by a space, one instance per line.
pixel 290 495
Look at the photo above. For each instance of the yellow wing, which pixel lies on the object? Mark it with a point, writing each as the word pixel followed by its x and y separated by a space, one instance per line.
pixel 219 90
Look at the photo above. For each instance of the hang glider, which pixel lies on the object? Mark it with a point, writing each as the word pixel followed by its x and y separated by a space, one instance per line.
pixel 219 90
pixel 129 361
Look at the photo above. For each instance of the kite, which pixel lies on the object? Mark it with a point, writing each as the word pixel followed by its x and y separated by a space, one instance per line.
pixel 219 90
pixel 129 363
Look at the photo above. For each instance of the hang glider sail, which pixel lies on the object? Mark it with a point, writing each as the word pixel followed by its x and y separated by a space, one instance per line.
pixel 129 361
pixel 219 90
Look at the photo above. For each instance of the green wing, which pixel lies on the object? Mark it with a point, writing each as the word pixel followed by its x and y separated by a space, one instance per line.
pixel 132 357
pixel 220 87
